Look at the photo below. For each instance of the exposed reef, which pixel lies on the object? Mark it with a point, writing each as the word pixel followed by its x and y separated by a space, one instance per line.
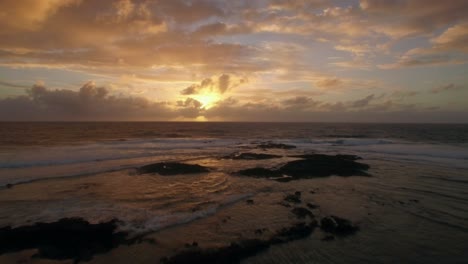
pixel 338 226
pixel 271 145
pixel 242 249
pixel 312 166
pixel 172 168
pixel 68 238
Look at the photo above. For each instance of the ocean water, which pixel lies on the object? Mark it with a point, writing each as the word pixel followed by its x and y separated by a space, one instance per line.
pixel 411 209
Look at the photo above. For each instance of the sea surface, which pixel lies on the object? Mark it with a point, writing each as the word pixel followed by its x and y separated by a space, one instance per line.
pixel 413 208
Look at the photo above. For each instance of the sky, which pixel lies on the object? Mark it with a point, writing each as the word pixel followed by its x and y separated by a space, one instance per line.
pixel 224 60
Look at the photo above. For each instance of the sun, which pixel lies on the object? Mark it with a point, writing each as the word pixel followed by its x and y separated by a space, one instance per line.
pixel 208 100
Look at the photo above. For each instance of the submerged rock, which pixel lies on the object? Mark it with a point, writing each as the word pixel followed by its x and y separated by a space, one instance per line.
pixel 68 238
pixel 328 238
pixel 338 226
pixel 293 198
pixel 295 232
pixel 312 206
pixel 271 145
pixel 172 168
pixel 340 156
pixel 301 212
pixel 251 156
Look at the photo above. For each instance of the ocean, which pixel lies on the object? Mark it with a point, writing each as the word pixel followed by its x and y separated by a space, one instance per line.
pixel 410 206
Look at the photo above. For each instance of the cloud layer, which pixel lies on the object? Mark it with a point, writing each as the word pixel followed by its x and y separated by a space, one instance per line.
pixel 168 58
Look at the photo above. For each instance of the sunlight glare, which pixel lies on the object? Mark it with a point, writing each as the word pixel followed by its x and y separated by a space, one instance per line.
pixel 208 100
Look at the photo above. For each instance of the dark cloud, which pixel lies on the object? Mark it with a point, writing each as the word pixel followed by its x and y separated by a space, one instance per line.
pixel 13 85
pixel 189 102
pixel 363 102
pixel 90 102
pixel 223 83
pixel 329 83
pixel 338 112
pixel 219 85
pixel 448 87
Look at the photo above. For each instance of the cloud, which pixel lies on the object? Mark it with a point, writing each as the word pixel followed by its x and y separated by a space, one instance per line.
pixel 329 83
pixel 220 85
pixel 90 102
pixel 454 38
pixel 445 88
pixel 13 85
pixel 189 102
pixel 363 102
pixel 422 60
pixel 112 37
pixel 29 14
pixel 416 17
pixel 186 50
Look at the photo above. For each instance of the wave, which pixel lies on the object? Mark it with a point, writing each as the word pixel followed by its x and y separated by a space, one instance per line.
pixel 105 151
pixel 391 148
pixel 161 220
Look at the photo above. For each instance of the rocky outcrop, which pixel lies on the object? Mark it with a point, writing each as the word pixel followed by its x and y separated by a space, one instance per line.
pixel 237 251
pixel 338 226
pixel 312 166
pixel 68 238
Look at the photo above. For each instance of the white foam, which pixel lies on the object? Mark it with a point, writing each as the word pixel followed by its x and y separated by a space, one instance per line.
pixel 161 220
pixel 60 155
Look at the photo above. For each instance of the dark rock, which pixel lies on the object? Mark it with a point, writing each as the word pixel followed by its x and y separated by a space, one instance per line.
pixel 271 145
pixel 328 238
pixel 315 165
pixel 260 231
pixel 301 213
pixel 312 206
pixel 243 249
pixel 414 200
pixel 259 173
pixel 250 201
pixel 9 186
pixel 319 165
pixel 295 232
pixel 338 226
pixel 251 156
pixel 172 168
pixel 340 156
pixel 68 238
pixel 293 198
pixel 233 253
pixel 298 193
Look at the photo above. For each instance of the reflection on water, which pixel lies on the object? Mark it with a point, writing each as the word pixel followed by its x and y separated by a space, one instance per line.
pixel 412 208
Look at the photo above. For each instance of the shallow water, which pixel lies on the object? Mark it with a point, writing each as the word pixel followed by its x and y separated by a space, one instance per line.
pixel 411 210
